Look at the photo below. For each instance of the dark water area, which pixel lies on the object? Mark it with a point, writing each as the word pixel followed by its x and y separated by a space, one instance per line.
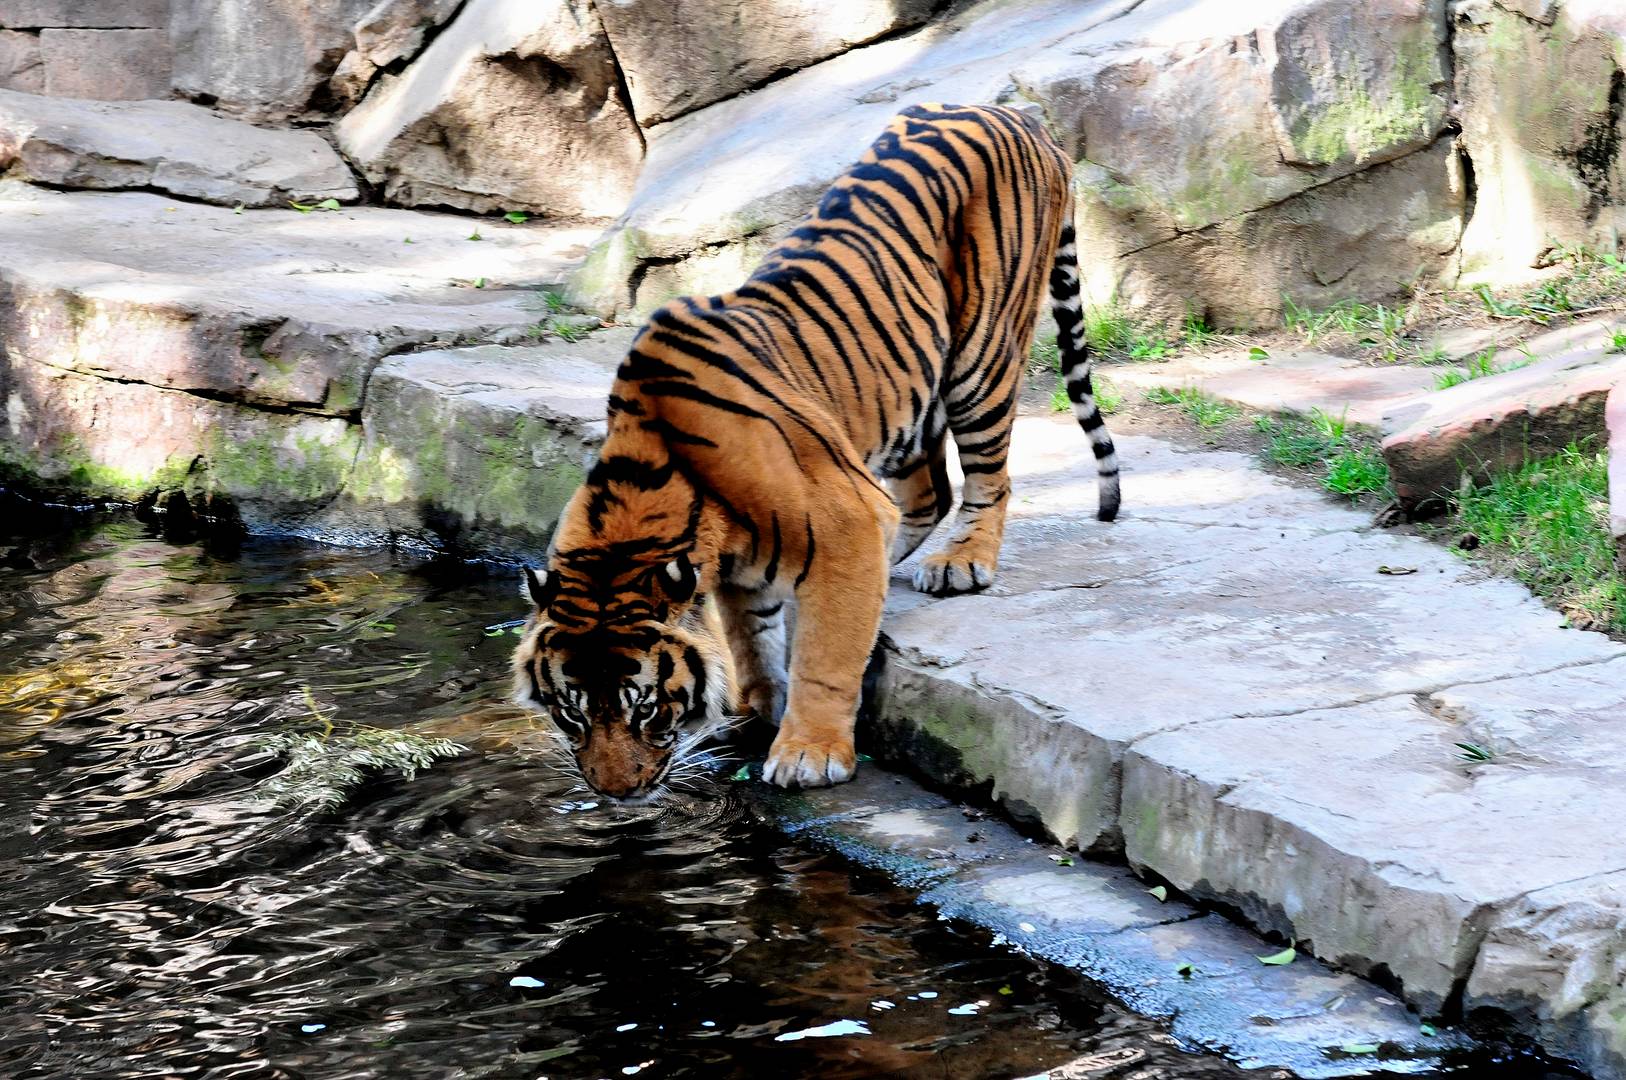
pixel 160 918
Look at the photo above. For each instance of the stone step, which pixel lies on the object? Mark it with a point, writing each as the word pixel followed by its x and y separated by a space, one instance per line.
pixel 169 146
pixel 1500 421
pixel 492 440
pixel 1104 923
pixel 148 341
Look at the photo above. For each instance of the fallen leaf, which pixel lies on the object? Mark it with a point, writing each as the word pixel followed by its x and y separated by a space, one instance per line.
pixel 1257 353
pixel 1359 1048
pixel 1427 1029
pixel 1160 893
pixel 301 207
pixel 475 235
pixel 742 773
pixel 1006 990
pixel 516 217
pixel 1286 956
pixel 328 204
pixel 1397 571
pixel 1185 971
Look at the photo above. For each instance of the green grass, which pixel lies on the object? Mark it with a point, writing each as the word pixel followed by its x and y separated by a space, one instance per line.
pixel 1356 471
pixel 1478 366
pixel 1326 444
pixel 1204 410
pixel 1547 523
pixel 1617 340
pixel 555 302
pixel 1121 335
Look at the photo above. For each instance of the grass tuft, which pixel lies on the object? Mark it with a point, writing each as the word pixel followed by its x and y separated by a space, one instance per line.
pixel 1327 444
pixel 1547 523
pixel 1203 409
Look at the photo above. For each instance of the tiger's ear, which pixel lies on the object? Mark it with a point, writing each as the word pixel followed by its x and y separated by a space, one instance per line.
pixel 679 579
pixel 540 588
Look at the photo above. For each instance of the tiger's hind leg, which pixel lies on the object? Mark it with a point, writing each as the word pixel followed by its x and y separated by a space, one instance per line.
pixel 982 432
pixel 754 622
pixel 924 497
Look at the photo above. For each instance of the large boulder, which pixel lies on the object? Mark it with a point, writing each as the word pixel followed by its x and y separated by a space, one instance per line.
pixel 516 105
pixel 389 34
pixel 108 65
pixel 262 59
pixel 679 55
pixel 167 145
pixel 1204 132
pixel 1540 90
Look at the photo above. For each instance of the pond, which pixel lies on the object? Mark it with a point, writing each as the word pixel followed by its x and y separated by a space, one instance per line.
pixel 162 917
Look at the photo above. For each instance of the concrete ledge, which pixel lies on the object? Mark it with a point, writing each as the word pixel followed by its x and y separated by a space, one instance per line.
pixel 1103 923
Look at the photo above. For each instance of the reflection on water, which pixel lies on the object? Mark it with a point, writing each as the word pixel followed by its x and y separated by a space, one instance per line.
pixel 484 920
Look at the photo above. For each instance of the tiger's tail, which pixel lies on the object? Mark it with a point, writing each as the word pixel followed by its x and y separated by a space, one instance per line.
pixel 1067 305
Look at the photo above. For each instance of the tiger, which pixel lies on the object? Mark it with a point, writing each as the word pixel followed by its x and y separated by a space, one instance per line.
pixel 786 442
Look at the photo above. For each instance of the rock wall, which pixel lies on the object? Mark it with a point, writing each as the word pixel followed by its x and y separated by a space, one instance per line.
pixel 1228 154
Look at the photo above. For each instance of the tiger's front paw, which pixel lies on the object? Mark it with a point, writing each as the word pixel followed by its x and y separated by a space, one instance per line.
pixel 946 573
pixel 803 762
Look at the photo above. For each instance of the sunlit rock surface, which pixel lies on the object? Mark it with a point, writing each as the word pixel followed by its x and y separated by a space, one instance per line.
pixel 167 145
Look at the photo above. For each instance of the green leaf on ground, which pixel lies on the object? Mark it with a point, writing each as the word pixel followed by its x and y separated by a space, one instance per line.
pixel 1258 353
pixel 515 217
pixel 742 773
pixel 1428 1030
pixel 475 235
pixel 1160 893
pixel 1286 956
pixel 1006 990
pixel 303 208
pixel 1359 1048
pixel 328 204
pixel 238 209
pixel 479 283
pixel 1185 971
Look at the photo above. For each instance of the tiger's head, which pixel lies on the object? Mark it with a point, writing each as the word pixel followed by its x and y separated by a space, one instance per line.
pixel 629 663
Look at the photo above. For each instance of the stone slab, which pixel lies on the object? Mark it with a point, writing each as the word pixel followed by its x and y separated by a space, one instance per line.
pixel 272 307
pixel 516 105
pixel 1103 923
pixel 107 65
pixel 1359 831
pixel 1501 421
pixel 85 14
pixel 168 145
pixel 1288 382
pixel 1215 600
pixel 478 449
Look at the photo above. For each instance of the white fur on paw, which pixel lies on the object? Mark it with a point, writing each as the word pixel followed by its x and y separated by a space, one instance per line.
pixel 802 763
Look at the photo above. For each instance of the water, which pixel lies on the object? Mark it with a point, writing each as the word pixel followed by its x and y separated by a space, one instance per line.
pixel 482 920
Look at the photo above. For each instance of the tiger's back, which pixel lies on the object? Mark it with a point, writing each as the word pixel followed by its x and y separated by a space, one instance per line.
pixel 788 439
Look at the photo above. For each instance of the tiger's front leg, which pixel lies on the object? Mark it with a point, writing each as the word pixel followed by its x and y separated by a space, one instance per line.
pixel 754 621
pixel 838 615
